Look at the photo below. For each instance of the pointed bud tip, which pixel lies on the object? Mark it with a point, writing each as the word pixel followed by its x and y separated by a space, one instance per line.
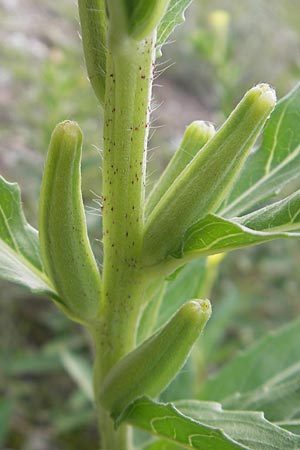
pixel 203 127
pixel 69 132
pixel 68 126
pixel 203 306
pixel 266 94
pixel 198 309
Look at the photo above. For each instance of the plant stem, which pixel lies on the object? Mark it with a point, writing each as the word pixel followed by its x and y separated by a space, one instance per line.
pixel 127 100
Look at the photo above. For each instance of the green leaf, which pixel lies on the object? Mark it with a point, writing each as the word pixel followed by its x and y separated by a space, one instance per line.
pixel 280 216
pixel 163 445
pixel 173 17
pixel 213 234
pixel 19 247
pixel 274 163
pixel 166 421
pixel 206 426
pixel 253 430
pixel 291 425
pixel 272 364
pixel 278 397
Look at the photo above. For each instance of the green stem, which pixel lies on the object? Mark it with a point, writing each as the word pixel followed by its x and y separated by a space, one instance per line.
pixel 126 123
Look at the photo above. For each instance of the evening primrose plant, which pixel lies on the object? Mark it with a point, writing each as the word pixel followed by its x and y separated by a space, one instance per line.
pixel 211 199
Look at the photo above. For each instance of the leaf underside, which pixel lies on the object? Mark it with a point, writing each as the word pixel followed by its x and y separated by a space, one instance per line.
pixel 206 426
pixel 264 377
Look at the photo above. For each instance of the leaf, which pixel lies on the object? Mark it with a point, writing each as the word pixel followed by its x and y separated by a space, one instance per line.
pixel 182 386
pixel 291 425
pixel 278 397
pixel 173 17
pixel 163 445
pixel 206 426
pixel 280 216
pixel 274 163
pixel 214 234
pixel 248 428
pixel 19 247
pixel 141 439
pixel 252 368
pixel 164 420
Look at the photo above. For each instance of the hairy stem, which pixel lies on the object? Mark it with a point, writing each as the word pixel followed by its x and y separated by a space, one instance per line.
pixel 126 123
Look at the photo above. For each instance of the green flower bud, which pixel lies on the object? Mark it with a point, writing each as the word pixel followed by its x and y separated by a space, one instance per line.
pixel 149 368
pixel 93 30
pixel 144 16
pixel 204 183
pixel 195 137
pixel 65 248
pixel 134 18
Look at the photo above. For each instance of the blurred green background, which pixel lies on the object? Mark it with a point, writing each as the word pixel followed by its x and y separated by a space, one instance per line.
pixel 223 49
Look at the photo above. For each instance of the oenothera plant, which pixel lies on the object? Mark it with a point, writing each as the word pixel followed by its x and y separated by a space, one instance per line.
pixel 210 200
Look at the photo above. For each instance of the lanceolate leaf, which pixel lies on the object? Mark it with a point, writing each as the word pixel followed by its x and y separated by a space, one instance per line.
pixel 213 234
pixel 275 162
pixel 166 421
pixel 280 216
pixel 278 397
pixel 173 17
pixel 291 425
pixel 248 428
pixel 19 248
pixel 253 368
pixel 206 426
